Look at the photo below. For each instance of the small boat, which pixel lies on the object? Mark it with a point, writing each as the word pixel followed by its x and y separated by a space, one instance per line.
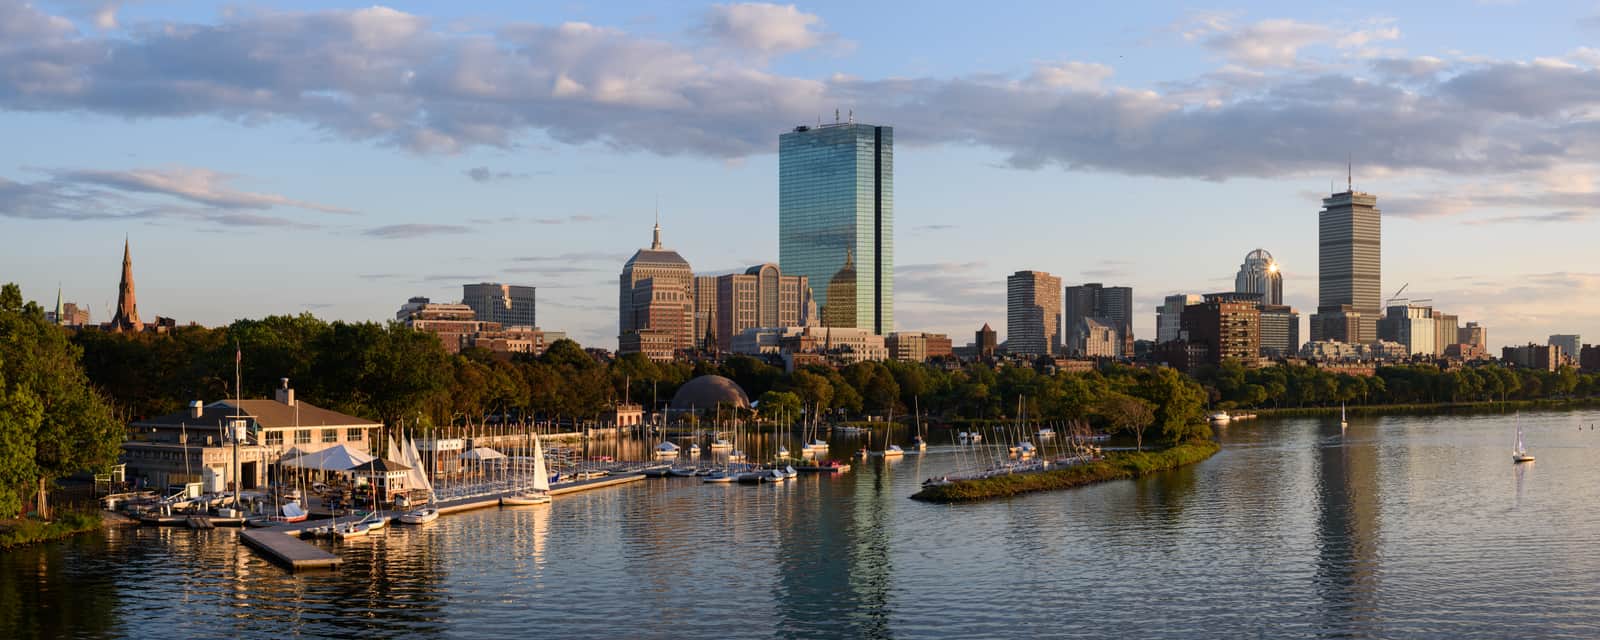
pixel 359 528
pixel 736 456
pixel 666 450
pixel 789 471
pixel 1046 432
pixel 694 449
pixel 422 515
pixel 972 437
pixel 935 482
pixel 539 492
pixel 919 444
pixel 524 499
pixel 1520 453
pixel 1024 450
pixel 719 444
pixel 1220 417
pixel 783 452
pixel 656 472
pixel 816 445
pixel 1342 422
pixel 291 513
pixel 683 472
pixel 894 451
pixel 718 476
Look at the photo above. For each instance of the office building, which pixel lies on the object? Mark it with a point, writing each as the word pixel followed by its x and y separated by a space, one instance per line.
pixel 1589 358
pixel 1259 275
pixel 762 296
pixel 452 323
pixel 1112 306
pixel 1474 334
pixel 1410 325
pixel 837 345
pixel 836 220
pixel 1350 268
pixel 1446 328
pixel 1544 357
pixel 1227 326
pixel 1570 343
pixel 1169 316
pixel 1033 313
pixel 1280 331
pixel 705 315
pixel 656 294
pixel 917 346
pixel 1097 338
pixel 508 304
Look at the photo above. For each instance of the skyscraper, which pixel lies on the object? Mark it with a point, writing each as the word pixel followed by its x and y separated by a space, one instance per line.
pixel 1350 268
pixel 1259 274
pixel 835 220
pixel 127 315
pixel 1169 316
pixel 1571 344
pixel 1113 306
pixel 655 303
pixel 762 296
pixel 508 304
pixel 1033 313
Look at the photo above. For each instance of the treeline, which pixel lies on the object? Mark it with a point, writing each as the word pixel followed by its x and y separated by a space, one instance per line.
pixel 1233 385
pixel 391 373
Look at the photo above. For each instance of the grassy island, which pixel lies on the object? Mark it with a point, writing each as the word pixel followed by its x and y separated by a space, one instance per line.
pixel 1115 466
pixel 26 531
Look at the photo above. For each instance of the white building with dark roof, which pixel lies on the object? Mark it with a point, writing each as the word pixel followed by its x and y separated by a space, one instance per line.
pixel 196 445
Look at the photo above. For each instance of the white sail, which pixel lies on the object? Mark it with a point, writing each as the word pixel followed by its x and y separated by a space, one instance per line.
pixel 417 477
pixel 541 479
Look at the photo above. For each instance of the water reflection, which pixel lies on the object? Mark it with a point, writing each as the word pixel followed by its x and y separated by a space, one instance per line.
pixel 1347 521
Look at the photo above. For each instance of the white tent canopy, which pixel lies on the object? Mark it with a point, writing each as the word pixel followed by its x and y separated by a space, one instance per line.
pixel 483 454
pixel 335 458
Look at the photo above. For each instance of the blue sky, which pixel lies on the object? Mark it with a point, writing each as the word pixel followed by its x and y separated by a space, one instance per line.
pixel 339 158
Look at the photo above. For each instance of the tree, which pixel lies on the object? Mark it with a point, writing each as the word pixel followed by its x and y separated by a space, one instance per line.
pixel 777 404
pixel 1127 414
pixel 51 411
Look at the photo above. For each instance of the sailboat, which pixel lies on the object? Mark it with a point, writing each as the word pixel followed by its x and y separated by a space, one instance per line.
pixel 1520 454
pixel 917 441
pixel 539 493
pixel 1342 422
pixel 425 512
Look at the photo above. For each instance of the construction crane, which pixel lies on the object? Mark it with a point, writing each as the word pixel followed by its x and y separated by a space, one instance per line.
pixel 1397 295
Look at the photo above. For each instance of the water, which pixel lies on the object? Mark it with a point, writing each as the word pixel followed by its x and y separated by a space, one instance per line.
pixel 1404 526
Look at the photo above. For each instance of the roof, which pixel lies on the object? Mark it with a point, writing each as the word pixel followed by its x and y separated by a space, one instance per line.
pixel 656 256
pixel 380 465
pixel 706 392
pixel 269 414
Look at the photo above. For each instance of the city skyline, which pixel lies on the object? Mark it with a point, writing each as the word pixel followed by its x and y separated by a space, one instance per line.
pixel 527 199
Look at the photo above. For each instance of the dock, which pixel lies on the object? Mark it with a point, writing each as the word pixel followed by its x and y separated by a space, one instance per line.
pixel 288 551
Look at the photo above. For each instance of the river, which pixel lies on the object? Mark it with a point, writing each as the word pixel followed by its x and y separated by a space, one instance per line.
pixel 1403 526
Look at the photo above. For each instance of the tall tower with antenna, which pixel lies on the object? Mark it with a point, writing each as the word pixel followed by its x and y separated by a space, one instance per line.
pixel 1350 266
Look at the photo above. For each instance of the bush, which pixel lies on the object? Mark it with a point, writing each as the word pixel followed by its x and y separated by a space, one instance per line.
pixel 28 531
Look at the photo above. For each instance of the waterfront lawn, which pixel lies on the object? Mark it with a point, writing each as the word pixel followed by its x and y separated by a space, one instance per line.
pixel 26 531
pixel 1115 466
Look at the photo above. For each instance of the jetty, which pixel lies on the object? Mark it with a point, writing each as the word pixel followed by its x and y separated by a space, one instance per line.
pixel 291 552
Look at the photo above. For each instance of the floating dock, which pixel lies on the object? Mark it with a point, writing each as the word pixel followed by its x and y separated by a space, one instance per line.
pixel 288 551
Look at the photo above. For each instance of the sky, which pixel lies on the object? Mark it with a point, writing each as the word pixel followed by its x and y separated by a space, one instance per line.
pixel 339 158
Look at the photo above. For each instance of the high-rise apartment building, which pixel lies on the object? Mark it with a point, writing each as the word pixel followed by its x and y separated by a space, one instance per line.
pixel 1033 313
pixel 1474 334
pixel 836 220
pixel 1169 316
pixel 1412 326
pixel 762 296
pixel 1226 326
pixel 655 299
pixel 1259 274
pixel 1446 327
pixel 508 304
pixel 1112 305
pixel 1350 268
pixel 1570 343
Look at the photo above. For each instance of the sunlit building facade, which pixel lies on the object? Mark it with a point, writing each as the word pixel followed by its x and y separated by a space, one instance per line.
pixel 836 220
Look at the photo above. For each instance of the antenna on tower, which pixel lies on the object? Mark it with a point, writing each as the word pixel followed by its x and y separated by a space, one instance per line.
pixel 836 116
pixel 852 119
pixel 1349 173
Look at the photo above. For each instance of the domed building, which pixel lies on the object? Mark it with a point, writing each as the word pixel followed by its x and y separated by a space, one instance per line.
pixel 1259 274
pixel 706 392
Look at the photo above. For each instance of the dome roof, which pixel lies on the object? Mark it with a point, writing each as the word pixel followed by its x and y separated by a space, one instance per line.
pixel 705 392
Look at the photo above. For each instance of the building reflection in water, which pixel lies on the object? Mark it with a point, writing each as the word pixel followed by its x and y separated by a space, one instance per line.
pixel 1348 522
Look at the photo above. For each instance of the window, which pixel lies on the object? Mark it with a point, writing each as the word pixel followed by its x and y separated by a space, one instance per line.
pixel 330 435
pixel 274 438
pixel 302 436
pixel 353 434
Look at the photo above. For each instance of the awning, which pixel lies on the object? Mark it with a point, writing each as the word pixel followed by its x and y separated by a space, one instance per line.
pixel 483 453
pixel 335 458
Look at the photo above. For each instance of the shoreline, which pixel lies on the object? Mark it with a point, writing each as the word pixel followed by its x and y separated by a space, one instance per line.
pixel 1116 466
pixel 1426 407
pixel 27 531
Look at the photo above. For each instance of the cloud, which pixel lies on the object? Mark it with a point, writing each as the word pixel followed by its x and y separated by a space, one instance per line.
pixel 407 231
pixel 766 29
pixel 565 220
pixel 392 78
pixel 1540 218
pixel 578 256
pixel 484 174
pixel 201 186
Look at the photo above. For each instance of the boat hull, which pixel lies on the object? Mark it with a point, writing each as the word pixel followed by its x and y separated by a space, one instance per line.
pixel 523 500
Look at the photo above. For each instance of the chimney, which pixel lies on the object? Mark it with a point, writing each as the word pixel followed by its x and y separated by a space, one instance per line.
pixel 196 408
pixel 285 394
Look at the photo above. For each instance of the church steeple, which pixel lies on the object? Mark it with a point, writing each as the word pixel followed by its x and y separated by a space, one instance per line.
pixel 655 238
pixel 127 315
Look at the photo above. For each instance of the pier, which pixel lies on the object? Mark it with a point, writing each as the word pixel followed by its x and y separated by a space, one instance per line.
pixel 281 543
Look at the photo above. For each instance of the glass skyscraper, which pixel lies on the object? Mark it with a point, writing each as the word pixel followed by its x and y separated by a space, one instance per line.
pixel 836 220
